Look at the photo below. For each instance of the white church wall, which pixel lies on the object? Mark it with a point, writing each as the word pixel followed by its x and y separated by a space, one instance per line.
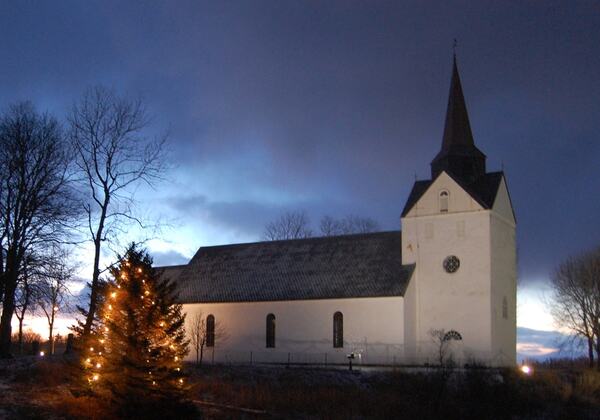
pixel 457 301
pixel 504 280
pixel 502 205
pixel 373 328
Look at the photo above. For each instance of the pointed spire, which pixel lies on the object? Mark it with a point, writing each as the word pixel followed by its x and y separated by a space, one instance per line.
pixel 458 155
pixel 457 130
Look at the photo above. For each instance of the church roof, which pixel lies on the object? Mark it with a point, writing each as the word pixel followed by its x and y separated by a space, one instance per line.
pixel 483 190
pixel 336 267
pixel 458 153
pixel 457 129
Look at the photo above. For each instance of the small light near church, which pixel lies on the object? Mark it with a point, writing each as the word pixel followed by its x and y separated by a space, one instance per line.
pixel 42 353
pixel 527 370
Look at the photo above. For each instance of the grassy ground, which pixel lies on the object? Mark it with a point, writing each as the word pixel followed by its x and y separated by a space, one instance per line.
pixel 473 394
pixel 42 388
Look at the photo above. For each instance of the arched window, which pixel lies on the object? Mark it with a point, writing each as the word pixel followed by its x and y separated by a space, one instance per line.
pixel 270 330
pixel 338 330
pixel 504 308
pixel 444 201
pixel 452 335
pixel 210 331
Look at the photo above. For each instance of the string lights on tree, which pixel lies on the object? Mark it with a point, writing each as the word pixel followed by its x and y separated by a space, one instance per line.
pixel 137 347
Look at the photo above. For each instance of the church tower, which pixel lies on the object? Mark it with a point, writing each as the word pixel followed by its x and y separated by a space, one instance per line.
pixel 458 228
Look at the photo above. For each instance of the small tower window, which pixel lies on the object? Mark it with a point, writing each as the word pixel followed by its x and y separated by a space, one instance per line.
pixel 338 330
pixel 444 201
pixel 270 331
pixel 210 331
pixel 504 308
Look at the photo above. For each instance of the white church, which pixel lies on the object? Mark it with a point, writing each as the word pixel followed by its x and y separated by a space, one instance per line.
pixel 377 296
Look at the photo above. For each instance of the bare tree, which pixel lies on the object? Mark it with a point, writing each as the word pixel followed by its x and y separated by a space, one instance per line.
pixel 202 334
pixel 53 287
pixel 26 296
pixel 576 299
pixel 290 225
pixel 35 197
pixel 346 226
pixel 112 156
pixel 442 340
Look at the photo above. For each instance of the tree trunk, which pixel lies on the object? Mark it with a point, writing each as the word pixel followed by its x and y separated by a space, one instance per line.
pixel 51 337
pixel 590 341
pixel 21 335
pixel 89 320
pixel 8 308
pixel 598 353
pixel 201 354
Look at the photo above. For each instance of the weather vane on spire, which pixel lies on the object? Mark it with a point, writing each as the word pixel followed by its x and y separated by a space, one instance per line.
pixel 454 44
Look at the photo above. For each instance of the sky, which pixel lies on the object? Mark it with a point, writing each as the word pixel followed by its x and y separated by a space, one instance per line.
pixel 333 107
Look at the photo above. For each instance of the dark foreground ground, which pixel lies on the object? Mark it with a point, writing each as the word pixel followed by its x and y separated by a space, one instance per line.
pixel 34 388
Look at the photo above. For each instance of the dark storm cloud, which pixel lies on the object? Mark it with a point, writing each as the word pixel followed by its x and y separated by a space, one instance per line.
pixel 333 107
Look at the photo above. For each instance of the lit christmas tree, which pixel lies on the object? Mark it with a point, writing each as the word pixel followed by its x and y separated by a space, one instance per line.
pixel 138 345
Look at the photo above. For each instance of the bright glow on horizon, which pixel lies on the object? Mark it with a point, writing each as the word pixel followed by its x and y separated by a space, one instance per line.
pixel 532 311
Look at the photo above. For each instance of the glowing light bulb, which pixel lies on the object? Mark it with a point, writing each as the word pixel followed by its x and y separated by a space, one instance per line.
pixel 526 370
pixel 88 360
pixel 95 377
pixel 98 365
pixel 91 349
pixel 102 341
pixel 113 295
pixel 55 308
pixel 139 270
pixel 42 353
pixel 178 369
pixel 176 358
pixel 153 383
pixel 180 381
pixel 146 293
pixel 106 329
pixel 110 307
pixel 162 324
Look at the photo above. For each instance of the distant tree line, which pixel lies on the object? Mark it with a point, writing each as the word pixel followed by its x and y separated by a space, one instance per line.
pixel 64 185
pixel 296 225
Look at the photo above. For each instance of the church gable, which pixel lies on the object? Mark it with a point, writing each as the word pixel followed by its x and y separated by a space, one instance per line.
pixel 348 266
pixel 443 195
pixel 502 203
pixel 426 197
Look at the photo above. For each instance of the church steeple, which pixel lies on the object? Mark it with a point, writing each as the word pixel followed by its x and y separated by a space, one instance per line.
pixel 459 155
